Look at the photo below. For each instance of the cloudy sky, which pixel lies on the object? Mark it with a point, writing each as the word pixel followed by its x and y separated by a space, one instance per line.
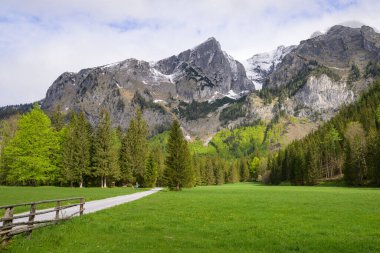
pixel 40 39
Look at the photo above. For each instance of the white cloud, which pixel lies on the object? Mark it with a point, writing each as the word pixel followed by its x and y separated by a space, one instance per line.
pixel 40 39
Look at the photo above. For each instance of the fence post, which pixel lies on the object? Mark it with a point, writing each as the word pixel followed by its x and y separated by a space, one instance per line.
pixel 8 215
pixel 57 208
pixel 81 206
pixel 31 218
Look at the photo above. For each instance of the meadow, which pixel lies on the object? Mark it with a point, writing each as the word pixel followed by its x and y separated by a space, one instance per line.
pixel 230 218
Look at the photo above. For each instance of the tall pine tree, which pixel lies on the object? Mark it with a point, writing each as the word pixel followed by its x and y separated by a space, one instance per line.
pixel 134 150
pixel 104 157
pixel 76 148
pixel 179 170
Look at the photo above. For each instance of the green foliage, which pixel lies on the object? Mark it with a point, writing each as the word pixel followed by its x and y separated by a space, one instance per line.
pixel 355 168
pixel 58 119
pixel 373 154
pixel 254 166
pixel 239 142
pixel 232 112
pixel 340 144
pixel 198 147
pixel 7 131
pixel 104 159
pixel 151 173
pixel 196 110
pixel 179 171
pixel 76 147
pixel 135 150
pixel 29 156
pixel 244 170
pixel 159 140
pixel 143 104
pixel 372 69
pixel 354 74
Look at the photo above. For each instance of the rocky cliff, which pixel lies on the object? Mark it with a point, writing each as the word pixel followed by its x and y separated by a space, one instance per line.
pixel 207 90
pixel 315 78
pixel 161 89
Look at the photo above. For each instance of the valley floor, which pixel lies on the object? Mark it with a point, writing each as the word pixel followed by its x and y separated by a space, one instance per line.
pixel 230 218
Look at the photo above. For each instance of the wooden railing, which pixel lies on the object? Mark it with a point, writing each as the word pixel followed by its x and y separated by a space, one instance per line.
pixel 11 227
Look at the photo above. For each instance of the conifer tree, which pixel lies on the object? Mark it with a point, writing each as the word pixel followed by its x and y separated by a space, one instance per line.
pixel 373 155
pixel 103 157
pixel 244 170
pixel 134 150
pixel 159 157
pixel 151 173
pixel 234 173
pixel 219 170
pixel 76 149
pixel 58 119
pixel 209 169
pixel 355 170
pixel 179 171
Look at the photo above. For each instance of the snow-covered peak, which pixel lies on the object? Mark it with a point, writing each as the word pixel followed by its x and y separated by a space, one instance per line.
pixel 260 65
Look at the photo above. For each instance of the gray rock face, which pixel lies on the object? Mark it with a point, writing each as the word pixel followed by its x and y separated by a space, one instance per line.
pixel 314 75
pixel 113 87
pixel 337 49
pixel 200 72
pixel 260 66
pixel 323 96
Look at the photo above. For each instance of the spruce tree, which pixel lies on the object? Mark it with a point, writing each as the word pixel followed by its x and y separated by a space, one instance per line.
pixel 160 160
pixel 355 169
pixel 373 155
pixel 179 171
pixel 103 157
pixel 244 170
pixel 134 150
pixel 151 171
pixel 76 149
pixel 58 119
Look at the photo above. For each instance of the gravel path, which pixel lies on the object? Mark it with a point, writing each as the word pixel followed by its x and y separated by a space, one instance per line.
pixel 91 206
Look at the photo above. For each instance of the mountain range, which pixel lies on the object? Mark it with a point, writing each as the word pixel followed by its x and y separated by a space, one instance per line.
pixel 208 90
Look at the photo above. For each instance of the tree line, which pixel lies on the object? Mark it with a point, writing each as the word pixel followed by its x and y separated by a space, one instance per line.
pixel 37 150
pixel 346 147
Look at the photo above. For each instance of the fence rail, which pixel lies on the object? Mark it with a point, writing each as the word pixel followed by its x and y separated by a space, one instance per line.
pixel 9 226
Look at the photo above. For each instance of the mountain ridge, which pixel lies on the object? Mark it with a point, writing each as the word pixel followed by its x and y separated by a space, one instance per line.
pixel 311 80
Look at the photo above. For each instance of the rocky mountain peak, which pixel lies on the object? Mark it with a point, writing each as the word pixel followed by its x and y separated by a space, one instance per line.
pixel 210 43
pixel 261 65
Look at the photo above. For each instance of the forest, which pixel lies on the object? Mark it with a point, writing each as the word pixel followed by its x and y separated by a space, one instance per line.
pixel 347 148
pixel 37 149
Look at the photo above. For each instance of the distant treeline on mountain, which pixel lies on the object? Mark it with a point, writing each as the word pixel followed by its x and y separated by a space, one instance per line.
pixel 347 146
pixel 10 110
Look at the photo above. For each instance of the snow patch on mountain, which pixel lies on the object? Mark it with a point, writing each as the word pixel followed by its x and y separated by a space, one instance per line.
pixel 259 66
pixel 158 76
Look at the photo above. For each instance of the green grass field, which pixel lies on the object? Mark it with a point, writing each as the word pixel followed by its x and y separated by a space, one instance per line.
pixel 228 218
pixel 15 195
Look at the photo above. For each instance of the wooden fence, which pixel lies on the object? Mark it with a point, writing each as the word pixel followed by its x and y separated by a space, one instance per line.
pixel 11 227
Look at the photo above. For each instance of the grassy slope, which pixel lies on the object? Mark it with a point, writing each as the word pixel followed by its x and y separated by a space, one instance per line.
pixel 228 218
pixel 15 195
